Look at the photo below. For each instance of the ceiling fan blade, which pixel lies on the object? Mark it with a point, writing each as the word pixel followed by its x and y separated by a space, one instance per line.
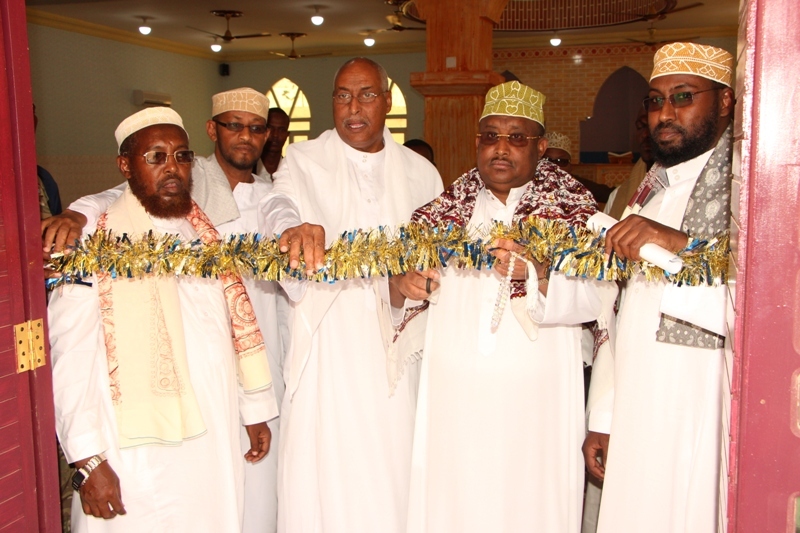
pixel 251 35
pixel 279 54
pixel 208 32
pixel 684 8
pixel 316 55
pixel 398 27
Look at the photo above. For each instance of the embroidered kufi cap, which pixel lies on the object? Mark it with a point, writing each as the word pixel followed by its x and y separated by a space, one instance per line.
pixel 559 140
pixel 698 59
pixel 513 99
pixel 150 116
pixel 242 99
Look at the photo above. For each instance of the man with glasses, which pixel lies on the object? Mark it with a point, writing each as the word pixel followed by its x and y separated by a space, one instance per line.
pixel 348 417
pixel 145 380
pixel 661 463
pixel 500 412
pixel 228 192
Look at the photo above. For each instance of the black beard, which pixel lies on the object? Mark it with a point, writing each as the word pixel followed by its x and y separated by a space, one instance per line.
pixel 177 206
pixel 693 144
pixel 240 164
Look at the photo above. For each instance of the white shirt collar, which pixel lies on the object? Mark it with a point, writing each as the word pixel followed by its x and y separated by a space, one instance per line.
pixel 690 169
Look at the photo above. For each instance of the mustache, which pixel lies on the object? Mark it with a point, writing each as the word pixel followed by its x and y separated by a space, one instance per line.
pixel 501 158
pixel 667 127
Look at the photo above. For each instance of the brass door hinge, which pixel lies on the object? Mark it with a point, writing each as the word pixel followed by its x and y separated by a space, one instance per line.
pixel 29 340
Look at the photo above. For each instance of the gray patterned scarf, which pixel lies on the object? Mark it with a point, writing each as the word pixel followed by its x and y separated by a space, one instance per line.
pixel 708 212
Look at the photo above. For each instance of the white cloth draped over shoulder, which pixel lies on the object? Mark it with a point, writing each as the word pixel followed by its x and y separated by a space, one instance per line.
pixel 346 444
pixel 162 487
pixel 664 409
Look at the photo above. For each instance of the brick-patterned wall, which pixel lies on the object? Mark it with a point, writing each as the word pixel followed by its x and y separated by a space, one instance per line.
pixel 570 77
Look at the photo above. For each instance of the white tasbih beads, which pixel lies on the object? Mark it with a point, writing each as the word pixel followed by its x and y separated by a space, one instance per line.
pixel 503 293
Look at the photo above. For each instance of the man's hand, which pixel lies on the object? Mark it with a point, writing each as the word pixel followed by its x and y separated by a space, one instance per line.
pixel 101 495
pixel 502 249
pixel 414 285
pixel 627 236
pixel 61 231
pixel 308 239
pixel 260 438
pixel 595 452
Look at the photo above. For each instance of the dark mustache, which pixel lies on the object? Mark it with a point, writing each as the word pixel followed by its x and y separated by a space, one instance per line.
pixel 668 127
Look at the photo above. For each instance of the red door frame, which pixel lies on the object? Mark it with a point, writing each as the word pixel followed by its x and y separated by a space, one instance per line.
pixel 23 247
pixel 765 435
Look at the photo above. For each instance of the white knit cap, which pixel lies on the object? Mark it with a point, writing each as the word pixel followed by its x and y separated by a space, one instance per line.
pixel 150 116
pixel 242 99
pixel 559 140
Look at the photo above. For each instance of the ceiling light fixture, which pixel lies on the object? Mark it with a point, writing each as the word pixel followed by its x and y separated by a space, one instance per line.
pixel 369 41
pixel 144 29
pixel 216 47
pixel 555 40
pixel 317 19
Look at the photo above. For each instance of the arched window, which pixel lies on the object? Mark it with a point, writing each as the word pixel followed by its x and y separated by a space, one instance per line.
pixel 288 96
pixel 397 119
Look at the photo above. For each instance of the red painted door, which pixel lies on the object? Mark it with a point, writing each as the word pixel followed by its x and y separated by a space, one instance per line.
pixel 29 500
pixel 764 472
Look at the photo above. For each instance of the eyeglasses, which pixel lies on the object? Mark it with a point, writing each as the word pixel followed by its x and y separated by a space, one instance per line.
pixel 364 98
pixel 655 103
pixel 183 157
pixel 236 127
pixel 560 161
pixel 519 140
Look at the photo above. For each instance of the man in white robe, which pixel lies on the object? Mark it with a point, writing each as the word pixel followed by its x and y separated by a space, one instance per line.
pixel 145 370
pixel 228 192
pixel 500 409
pixel 663 414
pixel 346 440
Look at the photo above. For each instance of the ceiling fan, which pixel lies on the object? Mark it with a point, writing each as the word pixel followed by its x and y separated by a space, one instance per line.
pixel 396 24
pixel 292 54
pixel 652 41
pixel 407 9
pixel 228 36
pixel 670 7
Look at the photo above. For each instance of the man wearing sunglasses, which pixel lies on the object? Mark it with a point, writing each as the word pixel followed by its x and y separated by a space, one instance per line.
pixel 228 192
pixel 348 417
pixel 500 412
pixel 144 371
pixel 663 413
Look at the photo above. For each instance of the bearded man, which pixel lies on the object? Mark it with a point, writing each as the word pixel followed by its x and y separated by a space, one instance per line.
pixel 500 409
pixel 228 192
pixel 152 375
pixel 663 413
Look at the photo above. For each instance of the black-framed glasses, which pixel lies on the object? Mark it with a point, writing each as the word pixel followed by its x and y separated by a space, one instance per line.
pixel 183 157
pixel 683 99
pixel 236 127
pixel 364 98
pixel 560 161
pixel 519 140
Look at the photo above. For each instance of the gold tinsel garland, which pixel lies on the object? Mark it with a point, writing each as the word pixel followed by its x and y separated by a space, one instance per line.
pixel 574 251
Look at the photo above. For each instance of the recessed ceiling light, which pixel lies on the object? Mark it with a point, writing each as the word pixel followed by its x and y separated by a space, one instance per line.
pixel 369 41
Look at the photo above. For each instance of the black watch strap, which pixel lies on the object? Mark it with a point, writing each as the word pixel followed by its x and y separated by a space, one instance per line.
pixel 77 479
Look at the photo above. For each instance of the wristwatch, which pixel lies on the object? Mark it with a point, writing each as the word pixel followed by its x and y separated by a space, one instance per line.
pixel 82 474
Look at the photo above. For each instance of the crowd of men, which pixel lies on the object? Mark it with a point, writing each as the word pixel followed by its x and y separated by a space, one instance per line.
pixel 432 402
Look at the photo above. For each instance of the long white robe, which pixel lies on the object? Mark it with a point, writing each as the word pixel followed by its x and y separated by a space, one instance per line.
pixel 663 465
pixel 197 486
pixel 346 444
pixel 500 415
pixel 234 212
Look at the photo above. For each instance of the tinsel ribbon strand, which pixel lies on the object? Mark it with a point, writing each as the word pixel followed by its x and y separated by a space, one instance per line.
pixel 571 250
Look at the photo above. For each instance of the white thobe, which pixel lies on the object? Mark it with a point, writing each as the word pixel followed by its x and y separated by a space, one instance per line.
pixel 235 212
pixel 346 444
pixel 500 413
pixel 662 473
pixel 196 486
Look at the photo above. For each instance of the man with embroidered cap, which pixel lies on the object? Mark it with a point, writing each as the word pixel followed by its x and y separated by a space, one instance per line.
pixel 348 416
pixel 151 375
pixel 228 192
pixel 500 408
pixel 663 413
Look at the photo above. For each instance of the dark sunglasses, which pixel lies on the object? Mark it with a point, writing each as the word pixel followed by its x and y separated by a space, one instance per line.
pixel 519 140
pixel 183 157
pixel 560 161
pixel 655 103
pixel 236 127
